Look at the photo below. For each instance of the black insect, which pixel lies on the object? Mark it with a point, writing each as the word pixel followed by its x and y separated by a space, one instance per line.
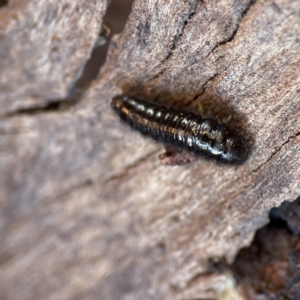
pixel 183 130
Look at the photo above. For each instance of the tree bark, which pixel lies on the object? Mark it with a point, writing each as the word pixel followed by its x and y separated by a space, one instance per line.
pixel 44 45
pixel 88 210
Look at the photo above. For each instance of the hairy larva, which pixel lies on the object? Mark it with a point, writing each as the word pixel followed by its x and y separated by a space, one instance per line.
pixel 183 130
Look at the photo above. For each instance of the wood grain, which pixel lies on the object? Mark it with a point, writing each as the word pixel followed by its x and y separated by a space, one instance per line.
pixel 43 48
pixel 88 210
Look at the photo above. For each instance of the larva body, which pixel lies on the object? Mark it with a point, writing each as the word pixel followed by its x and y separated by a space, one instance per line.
pixel 182 129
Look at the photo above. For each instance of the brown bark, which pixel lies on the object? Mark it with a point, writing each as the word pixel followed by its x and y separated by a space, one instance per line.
pixel 88 210
pixel 269 266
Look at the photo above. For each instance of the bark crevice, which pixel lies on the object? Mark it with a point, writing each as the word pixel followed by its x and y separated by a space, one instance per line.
pixel 235 30
pixel 277 150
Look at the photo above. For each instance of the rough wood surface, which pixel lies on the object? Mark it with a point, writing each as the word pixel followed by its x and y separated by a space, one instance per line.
pixel 43 47
pixel 88 210
pixel 275 250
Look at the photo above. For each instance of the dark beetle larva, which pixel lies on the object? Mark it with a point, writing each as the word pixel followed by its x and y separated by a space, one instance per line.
pixel 183 130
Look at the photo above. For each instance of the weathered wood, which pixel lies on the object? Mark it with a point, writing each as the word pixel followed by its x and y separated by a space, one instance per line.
pixel 43 47
pixel 88 210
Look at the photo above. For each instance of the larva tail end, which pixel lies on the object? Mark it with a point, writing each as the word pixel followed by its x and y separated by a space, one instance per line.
pixel 117 102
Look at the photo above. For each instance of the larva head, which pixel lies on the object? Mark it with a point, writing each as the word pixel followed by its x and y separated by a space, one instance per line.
pixel 237 149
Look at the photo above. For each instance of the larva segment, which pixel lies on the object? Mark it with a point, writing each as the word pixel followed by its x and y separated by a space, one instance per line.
pixel 183 130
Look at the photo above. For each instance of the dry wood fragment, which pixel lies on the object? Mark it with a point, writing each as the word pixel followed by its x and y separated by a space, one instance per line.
pixel 88 210
pixel 43 47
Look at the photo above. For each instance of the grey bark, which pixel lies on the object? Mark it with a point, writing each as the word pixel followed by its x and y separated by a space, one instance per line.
pixel 88 210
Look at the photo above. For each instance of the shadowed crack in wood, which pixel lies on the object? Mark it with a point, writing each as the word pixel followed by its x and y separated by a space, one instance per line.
pixel 269 268
pixel 235 60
